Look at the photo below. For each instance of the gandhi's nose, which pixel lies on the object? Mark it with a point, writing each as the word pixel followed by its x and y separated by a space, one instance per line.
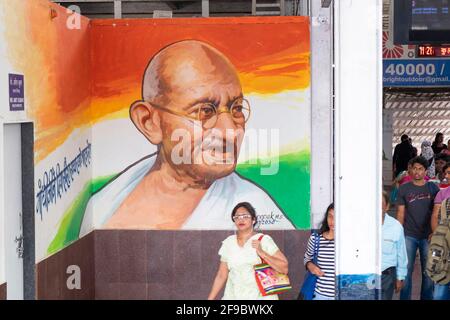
pixel 225 121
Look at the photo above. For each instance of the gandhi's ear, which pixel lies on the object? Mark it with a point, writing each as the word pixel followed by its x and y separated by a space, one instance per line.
pixel 146 119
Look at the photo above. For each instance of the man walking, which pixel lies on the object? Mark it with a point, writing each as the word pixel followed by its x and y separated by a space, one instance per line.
pixel 414 209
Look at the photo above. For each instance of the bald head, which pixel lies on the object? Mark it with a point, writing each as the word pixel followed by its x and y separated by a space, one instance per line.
pixel 185 65
pixel 179 82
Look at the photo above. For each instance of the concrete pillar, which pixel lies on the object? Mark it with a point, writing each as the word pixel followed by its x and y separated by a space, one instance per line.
pixel 321 112
pixel 358 145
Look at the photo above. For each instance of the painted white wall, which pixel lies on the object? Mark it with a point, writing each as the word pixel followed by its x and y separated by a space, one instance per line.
pixel 46 228
pixel 5 68
pixel 112 151
pixel 358 135
pixel 3 101
pixel 13 210
pixel 321 112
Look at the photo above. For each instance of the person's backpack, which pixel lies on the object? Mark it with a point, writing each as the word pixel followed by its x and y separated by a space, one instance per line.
pixel 438 264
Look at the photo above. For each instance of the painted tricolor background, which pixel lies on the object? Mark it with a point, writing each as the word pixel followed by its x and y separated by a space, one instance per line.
pixel 80 84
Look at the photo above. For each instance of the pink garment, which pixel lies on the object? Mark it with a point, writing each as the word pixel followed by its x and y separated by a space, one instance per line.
pixel 442 195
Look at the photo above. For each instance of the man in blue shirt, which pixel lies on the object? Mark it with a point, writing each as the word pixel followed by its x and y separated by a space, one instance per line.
pixel 394 258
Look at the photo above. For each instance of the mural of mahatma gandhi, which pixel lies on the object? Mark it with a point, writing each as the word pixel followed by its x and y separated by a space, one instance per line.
pixel 189 90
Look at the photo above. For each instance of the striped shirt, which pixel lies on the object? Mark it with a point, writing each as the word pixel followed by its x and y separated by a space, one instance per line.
pixel 325 261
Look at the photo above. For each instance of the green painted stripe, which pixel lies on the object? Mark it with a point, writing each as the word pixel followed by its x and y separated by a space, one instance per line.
pixel 69 228
pixel 290 187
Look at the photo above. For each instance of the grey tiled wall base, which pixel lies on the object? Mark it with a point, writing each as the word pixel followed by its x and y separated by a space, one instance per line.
pixel 3 291
pixel 55 278
pixel 152 264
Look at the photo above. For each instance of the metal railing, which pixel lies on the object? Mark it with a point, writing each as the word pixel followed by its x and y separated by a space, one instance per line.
pixel 118 4
pixel 268 8
pixel 145 8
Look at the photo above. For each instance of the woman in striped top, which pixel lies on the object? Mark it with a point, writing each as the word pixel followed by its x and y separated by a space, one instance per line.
pixel 324 270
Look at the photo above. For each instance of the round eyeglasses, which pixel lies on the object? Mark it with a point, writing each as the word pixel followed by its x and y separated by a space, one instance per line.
pixel 207 113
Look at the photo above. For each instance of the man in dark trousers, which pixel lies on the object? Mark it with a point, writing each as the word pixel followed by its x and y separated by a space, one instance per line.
pixel 403 152
pixel 414 209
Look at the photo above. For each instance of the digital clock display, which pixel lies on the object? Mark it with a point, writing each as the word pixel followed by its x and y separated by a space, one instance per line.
pixel 424 51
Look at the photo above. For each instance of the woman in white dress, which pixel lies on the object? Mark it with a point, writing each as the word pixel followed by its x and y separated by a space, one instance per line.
pixel 239 253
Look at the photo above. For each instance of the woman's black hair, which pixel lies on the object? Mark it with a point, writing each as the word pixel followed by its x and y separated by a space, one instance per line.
pixel 248 207
pixel 325 227
pixel 436 138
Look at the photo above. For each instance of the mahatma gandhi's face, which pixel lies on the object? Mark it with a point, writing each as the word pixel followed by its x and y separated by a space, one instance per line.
pixel 189 86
